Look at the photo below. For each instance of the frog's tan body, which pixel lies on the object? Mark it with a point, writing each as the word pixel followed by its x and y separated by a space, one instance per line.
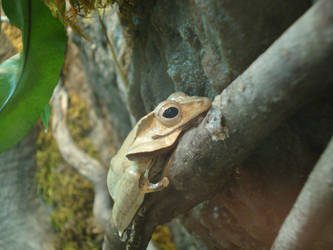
pixel 152 137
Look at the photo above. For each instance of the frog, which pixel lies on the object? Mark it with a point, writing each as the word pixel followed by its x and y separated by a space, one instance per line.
pixel 146 150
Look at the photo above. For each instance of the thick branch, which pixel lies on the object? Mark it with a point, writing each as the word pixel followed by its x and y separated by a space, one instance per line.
pixel 84 164
pixel 294 70
pixel 312 208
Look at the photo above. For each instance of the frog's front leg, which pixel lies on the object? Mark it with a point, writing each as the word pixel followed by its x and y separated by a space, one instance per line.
pixel 129 191
pixel 147 187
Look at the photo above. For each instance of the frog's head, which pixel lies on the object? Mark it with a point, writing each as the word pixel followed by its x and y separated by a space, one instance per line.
pixel 159 130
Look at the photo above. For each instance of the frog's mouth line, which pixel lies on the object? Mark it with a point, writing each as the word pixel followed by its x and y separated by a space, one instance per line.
pixel 194 122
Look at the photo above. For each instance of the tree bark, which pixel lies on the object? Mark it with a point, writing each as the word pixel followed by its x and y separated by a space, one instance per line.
pixel 313 207
pixel 295 69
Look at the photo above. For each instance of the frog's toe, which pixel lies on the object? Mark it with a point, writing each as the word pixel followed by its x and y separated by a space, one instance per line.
pixel 165 182
pixel 154 187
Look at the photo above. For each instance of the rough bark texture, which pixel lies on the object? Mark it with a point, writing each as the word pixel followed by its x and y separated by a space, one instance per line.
pixel 273 87
pixel 199 47
pixel 103 79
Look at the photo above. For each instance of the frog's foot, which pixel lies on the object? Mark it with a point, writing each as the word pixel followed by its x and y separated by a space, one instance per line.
pixel 148 187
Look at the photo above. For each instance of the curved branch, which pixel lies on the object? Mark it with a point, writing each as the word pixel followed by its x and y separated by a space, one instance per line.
pixel 312 208
pixel 80 161
pixel 293 71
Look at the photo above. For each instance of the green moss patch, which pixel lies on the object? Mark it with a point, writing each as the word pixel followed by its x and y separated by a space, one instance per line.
pixel 69 194
pixel 162 238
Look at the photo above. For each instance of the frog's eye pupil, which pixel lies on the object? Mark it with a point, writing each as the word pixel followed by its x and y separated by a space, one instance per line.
pixel 170 112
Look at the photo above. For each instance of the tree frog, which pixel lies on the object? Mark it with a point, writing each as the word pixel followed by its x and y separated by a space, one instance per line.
pixel 147 148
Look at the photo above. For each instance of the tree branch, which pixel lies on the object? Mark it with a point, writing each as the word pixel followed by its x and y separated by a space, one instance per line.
pixel 80 161
pixel 293 71
pixel 312 208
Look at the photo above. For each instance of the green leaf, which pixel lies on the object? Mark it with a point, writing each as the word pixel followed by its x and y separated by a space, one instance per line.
pixel 27 81
pixel 8 71
pixel 46 116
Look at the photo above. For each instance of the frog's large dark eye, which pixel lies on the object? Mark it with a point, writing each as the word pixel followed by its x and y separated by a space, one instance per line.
pixel 170 112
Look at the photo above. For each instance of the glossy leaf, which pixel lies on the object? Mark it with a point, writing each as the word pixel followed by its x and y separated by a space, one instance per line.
pixel 27 81
pixel 46 116
pixel 8 71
